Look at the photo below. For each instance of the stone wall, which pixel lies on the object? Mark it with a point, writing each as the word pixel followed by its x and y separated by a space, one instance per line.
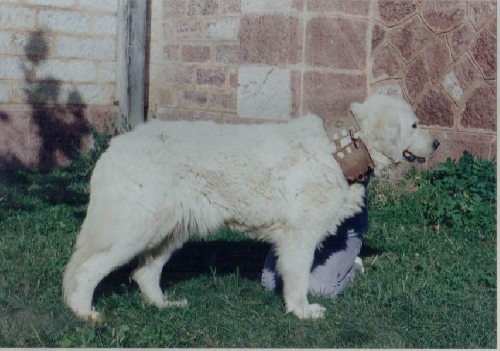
pixel 245 60
pixel 57 78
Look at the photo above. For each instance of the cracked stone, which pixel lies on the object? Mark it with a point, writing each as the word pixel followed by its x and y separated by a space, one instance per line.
pixel 264 92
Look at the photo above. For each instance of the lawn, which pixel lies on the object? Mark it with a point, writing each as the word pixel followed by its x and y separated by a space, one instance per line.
pixel 429 281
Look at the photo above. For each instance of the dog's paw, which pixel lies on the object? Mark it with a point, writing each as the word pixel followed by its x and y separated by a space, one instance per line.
pixel 177 303
pixel 358 265
pixel 313 311
pixel 90 316
pixel 94 317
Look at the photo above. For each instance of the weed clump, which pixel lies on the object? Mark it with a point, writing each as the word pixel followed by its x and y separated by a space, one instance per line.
pixel 461 194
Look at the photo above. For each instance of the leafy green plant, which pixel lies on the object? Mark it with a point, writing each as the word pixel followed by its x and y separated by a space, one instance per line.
pixel 461 193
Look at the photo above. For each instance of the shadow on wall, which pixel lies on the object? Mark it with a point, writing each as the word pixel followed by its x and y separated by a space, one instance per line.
pixel 57 128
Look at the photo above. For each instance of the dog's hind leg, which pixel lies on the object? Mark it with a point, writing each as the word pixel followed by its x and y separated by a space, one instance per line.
pixel 110 237
pixel 85 270
pixel 295 257
pixel 148 274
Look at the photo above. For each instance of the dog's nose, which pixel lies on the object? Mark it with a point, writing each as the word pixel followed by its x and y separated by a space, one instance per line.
pixel 435 144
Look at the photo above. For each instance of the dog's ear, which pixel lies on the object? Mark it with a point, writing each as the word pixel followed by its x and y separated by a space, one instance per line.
pixel 357 110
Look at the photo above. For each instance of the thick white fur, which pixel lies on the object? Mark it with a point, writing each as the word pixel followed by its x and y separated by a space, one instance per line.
pixel 158 185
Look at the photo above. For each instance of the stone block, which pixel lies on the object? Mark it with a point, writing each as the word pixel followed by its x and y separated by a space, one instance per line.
pixel 202 7
pixel 392 12
pixel 264 92
pixel 410 38
pixel 416 79
pixel 12 18
pixel 64 21
pixel 186 30
pixel 329 94
pixel 386 64
pixel 214 77
pixel 223 29
pixel 86 94
pixel 192 98
pixel 480 109
pixel 110 6
pixel 33 46
pixel 231 6
pixel 388 87
pixel 85 48
pixel 491 27
pixel 74 70
pixel 54 3
pixel 351 7
pixel 171 53
pixel 271 39
pixel 106 72
pixel 41 92
pixel 266 6
pixel 481 11
pixel 461 76
pixel 172 8
pixel 105 25
pixel 227 53
pixel 460 39
pixel 196 53
pixel 4 92
pixel 444 15
pixel 438 58
pixel 176 74
pixel 484 52
pixel 338 43
pixel 10 67
pixel 436 109
pixel 164 97
pixel 226 101
pixel 15 150
pixel 298 5
pixel 5 42
pixel 454 144
pixel 378 36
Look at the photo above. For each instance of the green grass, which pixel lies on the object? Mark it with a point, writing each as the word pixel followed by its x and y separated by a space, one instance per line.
pixel 429 282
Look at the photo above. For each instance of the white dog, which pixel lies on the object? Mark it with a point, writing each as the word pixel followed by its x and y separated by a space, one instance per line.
pixel 158 185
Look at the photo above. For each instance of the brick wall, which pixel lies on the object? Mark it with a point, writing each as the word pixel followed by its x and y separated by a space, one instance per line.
pixel 57 78
pixel 244 60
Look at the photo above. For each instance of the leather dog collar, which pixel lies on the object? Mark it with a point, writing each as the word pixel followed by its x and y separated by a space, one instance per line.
pixel 354 158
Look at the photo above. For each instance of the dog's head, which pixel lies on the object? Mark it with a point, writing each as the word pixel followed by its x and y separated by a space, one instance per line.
pixel 391 132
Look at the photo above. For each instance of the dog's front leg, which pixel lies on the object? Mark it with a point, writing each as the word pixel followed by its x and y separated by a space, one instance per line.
pixel 295 258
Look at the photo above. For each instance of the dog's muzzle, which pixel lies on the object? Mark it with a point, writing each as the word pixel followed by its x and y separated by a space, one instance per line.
pixel 416 159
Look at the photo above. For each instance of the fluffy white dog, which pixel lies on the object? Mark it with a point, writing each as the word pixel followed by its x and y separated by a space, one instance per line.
pixel 158 185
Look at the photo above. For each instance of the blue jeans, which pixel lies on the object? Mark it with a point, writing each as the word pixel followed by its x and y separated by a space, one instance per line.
pixel 334 266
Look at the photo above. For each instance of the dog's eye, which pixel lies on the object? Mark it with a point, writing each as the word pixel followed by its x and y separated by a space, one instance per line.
pixel 414 125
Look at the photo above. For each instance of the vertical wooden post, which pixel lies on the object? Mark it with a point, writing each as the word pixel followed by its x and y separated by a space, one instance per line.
pixel 131 65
